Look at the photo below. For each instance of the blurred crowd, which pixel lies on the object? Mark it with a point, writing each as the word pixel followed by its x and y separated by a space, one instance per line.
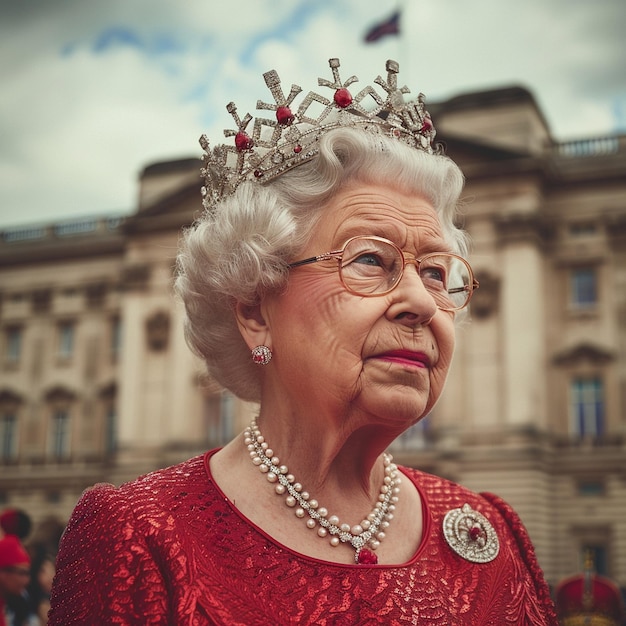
pixel 27 567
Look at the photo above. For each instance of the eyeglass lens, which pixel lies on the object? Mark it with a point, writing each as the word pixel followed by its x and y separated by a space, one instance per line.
pixel 369 266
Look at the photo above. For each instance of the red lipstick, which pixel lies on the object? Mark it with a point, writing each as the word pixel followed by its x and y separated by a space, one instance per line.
pixel 405 357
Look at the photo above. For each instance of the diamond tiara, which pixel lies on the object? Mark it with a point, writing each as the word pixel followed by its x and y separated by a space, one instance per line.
pixel 274 146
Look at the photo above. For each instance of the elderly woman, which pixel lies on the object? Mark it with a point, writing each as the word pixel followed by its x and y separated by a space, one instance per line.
pixel 322 281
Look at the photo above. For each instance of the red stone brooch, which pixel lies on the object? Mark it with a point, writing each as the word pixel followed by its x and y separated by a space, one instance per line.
pixel 470 535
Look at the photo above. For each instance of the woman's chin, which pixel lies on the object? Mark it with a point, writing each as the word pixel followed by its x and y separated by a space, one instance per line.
pixel 397 408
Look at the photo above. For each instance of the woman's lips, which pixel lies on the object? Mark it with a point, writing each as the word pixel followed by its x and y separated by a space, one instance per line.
pixel 405 357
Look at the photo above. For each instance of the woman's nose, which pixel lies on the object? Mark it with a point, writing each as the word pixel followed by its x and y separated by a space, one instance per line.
pixel 412 303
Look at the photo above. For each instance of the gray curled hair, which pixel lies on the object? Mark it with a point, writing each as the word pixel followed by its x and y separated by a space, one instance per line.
pixel 240 250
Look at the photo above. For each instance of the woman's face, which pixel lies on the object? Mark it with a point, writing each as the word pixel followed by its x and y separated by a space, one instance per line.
pixel 377 360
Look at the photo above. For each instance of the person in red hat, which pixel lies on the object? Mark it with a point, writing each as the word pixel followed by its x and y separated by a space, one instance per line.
pixel 15 522
pixel 14 573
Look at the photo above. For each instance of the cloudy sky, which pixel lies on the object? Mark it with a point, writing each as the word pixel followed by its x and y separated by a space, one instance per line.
pixel 93 91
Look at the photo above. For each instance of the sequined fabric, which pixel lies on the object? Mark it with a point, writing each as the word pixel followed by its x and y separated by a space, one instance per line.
pixel 169 548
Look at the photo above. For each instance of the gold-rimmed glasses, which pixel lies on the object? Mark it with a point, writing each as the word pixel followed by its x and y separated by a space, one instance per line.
pixel 373 266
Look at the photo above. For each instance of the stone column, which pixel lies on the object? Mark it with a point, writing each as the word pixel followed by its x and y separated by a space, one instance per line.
pixel 523 319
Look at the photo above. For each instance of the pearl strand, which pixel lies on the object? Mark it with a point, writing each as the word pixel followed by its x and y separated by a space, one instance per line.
pixel 368 534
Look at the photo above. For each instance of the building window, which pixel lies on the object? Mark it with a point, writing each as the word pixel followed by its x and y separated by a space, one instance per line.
pixel 53 497
pixel 41 300
pixel 110 430
pixel 95 295
pixel 8 437
pixel 219 416
pixel 591 488
pixel 583 229
pixel 66 340
pixel 13 345
pixel 60 435
pixel 583 288
pixel 116 338
pixel 587 407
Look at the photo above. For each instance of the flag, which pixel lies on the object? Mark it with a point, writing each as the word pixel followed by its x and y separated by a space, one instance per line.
pixel 390 26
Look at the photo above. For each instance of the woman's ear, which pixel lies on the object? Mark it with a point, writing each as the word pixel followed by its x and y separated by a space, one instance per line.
pixel 252 325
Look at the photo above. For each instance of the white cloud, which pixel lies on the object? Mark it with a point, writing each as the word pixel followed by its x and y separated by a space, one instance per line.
pixel 79 123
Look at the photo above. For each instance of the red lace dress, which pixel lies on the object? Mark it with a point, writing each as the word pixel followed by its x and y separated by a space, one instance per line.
pixel 169 548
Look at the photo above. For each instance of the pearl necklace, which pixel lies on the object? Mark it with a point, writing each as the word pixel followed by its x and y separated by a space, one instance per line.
pixel 364 537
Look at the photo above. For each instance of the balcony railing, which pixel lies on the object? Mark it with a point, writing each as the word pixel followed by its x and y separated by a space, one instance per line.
pixel 596 146
pixel 24 234
pixel 67 228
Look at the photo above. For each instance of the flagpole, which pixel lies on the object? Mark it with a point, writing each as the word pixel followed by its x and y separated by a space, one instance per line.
pixel 403 52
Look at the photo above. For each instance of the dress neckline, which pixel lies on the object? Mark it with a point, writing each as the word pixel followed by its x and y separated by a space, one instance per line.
pixel 426 524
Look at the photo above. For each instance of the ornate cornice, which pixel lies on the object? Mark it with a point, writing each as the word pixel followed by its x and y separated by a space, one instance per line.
pixel 9 398
pixel 584 352
pixel 524 227
pixel 59 394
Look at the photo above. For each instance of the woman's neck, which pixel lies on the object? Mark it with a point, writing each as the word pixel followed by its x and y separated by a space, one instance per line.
pixel 334 458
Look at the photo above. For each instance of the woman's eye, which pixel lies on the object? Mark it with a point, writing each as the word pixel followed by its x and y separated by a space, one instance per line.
pixel 433 273
pixel 368 258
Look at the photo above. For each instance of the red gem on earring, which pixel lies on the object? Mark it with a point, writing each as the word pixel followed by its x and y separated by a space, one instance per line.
pixel 367 557
pixel 258 174
pixel 343 98
pixel 427 125
pixel 297 149
pixel 243 142
pixel 284 116
pixel 261 355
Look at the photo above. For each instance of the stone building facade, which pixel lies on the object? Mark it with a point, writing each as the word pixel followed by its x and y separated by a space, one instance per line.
pixel 97 383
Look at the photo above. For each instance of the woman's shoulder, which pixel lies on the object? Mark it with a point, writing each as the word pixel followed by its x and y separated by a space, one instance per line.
pixel 441 495
pixel 149 493
pixel 190 470
pixel 168 479
pixel 442 490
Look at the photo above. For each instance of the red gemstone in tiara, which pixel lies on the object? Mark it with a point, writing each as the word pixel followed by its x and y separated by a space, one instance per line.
pixel 343 98
pixel 243 142
pixel 266 147
pixel 284 116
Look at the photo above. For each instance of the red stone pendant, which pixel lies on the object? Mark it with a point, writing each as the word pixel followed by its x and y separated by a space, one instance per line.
pixel 367 557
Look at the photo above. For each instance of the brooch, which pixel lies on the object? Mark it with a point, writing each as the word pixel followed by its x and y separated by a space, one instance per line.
pixel 470 535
